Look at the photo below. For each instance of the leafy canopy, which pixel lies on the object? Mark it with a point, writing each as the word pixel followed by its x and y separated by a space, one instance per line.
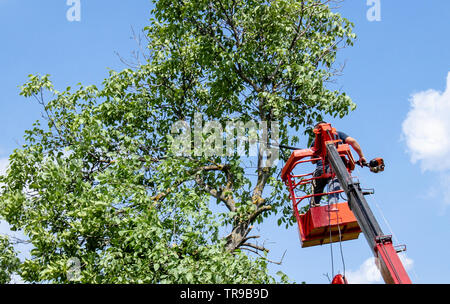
pixel 99 182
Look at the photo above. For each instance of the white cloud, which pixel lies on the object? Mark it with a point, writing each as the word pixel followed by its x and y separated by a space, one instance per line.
pixel 368 272
pixel 426 129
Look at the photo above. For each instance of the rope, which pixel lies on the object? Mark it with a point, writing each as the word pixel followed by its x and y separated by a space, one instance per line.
pixel 331 240
pixel 340 245
pixel 392 233
pixel 332 182
pixel 386 222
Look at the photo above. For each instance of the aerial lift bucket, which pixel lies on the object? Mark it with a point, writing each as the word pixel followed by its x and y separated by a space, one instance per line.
pixel 327 224
pixel 335 221
pixel 324 224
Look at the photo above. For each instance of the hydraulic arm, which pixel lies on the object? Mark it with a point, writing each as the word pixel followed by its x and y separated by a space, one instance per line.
pixel 388 261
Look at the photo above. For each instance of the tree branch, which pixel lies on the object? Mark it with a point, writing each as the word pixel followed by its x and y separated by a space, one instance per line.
pixel 260 210
pixel 260 248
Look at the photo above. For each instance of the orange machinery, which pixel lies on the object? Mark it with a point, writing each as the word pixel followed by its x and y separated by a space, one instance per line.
pixel 324 224
pixel 339 221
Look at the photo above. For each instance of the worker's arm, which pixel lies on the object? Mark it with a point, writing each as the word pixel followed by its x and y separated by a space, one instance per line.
pixel 352 142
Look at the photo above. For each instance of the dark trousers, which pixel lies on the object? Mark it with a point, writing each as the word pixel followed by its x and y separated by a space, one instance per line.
pixel 318 186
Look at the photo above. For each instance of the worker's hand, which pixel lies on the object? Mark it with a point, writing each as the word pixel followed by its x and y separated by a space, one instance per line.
pixel 362 161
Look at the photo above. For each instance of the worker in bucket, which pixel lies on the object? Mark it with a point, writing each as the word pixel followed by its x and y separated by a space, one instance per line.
pixel 318 185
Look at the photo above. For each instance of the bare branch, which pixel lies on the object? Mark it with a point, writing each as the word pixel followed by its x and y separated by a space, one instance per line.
pixel 260 248
pixel 268 260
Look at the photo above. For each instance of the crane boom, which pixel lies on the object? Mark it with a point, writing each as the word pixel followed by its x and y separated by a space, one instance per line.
pixel 388 261
pixel 343 221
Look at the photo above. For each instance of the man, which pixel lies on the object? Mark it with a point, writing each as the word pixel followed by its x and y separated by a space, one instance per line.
pixel 318 185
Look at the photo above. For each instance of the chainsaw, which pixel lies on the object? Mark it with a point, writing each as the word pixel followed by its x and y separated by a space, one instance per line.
pixel 375 165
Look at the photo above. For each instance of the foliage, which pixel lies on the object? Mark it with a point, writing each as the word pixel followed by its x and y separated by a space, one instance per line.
pixel 9 262
pixel 100 182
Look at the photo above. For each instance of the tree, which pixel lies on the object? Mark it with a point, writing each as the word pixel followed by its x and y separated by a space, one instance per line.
pixel 103 183
pixel 9 262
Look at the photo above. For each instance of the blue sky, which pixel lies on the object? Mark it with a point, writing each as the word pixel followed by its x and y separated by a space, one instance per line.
pixel 396 74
